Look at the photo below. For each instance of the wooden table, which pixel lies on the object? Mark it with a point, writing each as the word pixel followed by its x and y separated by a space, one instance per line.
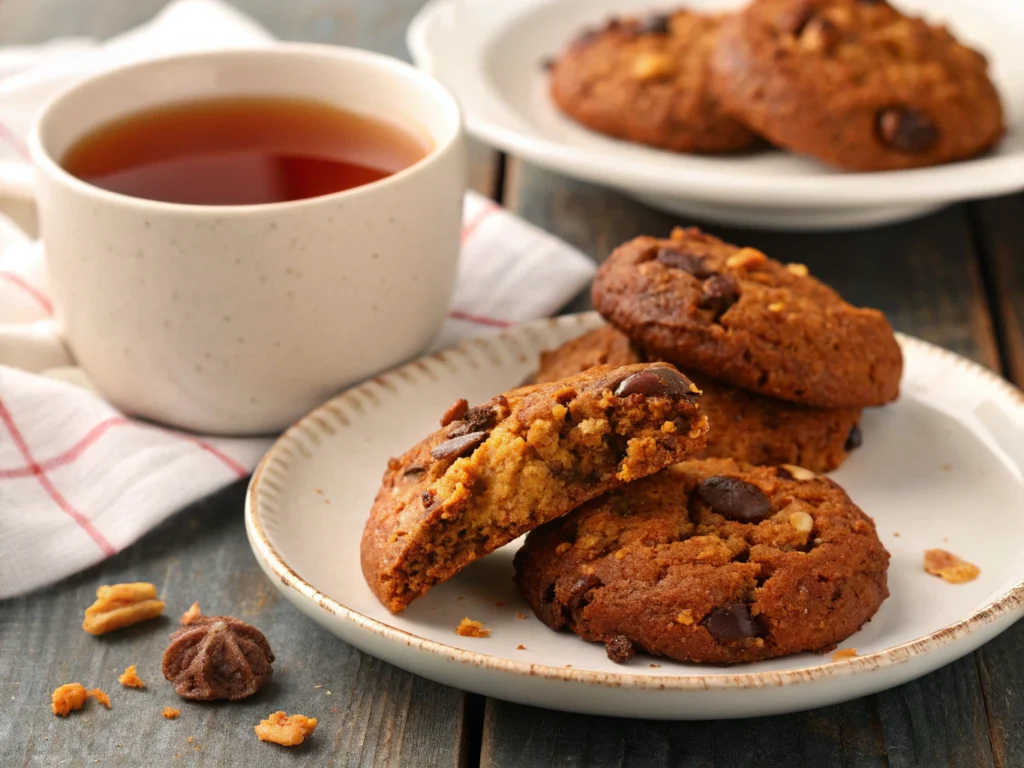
pixel 955 278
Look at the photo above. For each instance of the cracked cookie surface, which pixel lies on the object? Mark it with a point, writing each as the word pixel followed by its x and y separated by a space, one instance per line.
pixel 709 561
pixel 735 315
pixel 497 470
pixel 743 425
pixel 855 83
pixel 646 80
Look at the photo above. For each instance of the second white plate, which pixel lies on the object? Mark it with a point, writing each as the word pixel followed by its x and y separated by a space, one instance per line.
pixel 489 54
pixel 942 467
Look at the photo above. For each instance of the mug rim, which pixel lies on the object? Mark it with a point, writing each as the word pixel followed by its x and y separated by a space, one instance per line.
pixel 43 160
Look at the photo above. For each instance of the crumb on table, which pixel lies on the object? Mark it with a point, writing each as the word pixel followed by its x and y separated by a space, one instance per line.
pixel 469 628
pixel 130 679
pixel 120 605
pixel 949 567
pixel 520 647
pixel 191 614
pixel 101 697
pixel 171 713
pixel 67 698
pixel 286 730
pixel 520 615
pixel 844 653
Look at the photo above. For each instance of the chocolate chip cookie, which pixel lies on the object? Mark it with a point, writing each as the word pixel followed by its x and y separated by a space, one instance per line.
pixel 743 426
pixel 495 471
pixel 735 315
pixel 645 80
pixel 709 561
pixel 855 83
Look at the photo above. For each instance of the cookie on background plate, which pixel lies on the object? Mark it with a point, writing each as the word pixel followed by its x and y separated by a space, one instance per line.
pixel 855 83
pixel 733 314
pixel 742 425
pixel 709 561
pixel 646 80
pixel 497 470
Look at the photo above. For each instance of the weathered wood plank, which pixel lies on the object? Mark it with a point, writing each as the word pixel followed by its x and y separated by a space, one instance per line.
pixel 924 274
pixel 370 713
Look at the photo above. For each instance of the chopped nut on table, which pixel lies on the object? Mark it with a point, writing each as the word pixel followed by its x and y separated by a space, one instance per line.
pixel 101 697
pixel 120 605
pixel 949 567
pixel 130 679
pixel 469 628
pixel 286 730
pixel 68 698
pixel 217 657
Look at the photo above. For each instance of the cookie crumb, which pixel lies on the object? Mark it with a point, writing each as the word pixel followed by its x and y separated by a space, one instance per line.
pixel 654 666
pixel 318 687
pixel 101 697
pixel 286 730
pixel 469 628
pixel 171 713
pixel 121 605
pixel 520 647
pixel 844 653
pixel 520 615
pixel 191 739
pixel 949 567
pixel 68 698
pixel 946 467
pixel 896 534
pixel 191 614
pixel 130 679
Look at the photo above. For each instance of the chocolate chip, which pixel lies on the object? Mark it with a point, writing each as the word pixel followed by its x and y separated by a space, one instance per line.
pixel 735 499
pixel 687 262
pixel 429 499
pixel 720 293
pixel 455 413
pixel 658 24
pixel 906 129
pixel 578 593
pixel 733 622
pixel 414 471
pixel 655 382
pixel 619 649
pixel 474 420
pixel 854 439
pixel 457 446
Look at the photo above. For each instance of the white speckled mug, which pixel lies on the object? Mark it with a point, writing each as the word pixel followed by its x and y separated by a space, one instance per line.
pixel 239 319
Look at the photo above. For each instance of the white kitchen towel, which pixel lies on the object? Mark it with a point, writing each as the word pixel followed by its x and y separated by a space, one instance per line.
pixel 80 481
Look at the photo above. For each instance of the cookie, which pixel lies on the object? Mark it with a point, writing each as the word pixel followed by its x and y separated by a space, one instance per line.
pixel 710 561
pixel 646 80
pixel 735 315
pixel 743 426
pixel 855 83
pixel 494 472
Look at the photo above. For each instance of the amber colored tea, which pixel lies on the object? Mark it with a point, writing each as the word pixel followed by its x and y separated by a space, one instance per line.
pixel 241 151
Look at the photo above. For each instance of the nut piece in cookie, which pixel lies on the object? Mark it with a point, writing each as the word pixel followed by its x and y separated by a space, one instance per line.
pixel 121 605
pixel 710 561
pixel 745 426
pixel 519 460
pixel 646 80
pixel 708 306
pixel 855 84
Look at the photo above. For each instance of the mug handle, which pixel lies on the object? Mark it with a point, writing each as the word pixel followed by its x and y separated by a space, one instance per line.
pixel 33 347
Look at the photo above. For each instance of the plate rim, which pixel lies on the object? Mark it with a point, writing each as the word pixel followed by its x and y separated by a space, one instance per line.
pixel 987 175
pixel 1001 607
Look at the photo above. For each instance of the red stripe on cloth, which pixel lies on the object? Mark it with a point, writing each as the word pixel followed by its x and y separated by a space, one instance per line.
pixel 230 463
pixel 479 319
pixel 471 226
pixel 69 455
pixel 31 290
pixel 12 139
pixel 83 522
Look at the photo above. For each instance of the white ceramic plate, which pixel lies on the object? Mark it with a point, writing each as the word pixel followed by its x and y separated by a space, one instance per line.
pixel 488 53
pixel 942 468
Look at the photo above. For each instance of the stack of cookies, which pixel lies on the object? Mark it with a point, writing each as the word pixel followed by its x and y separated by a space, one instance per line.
pixel 853 83
pixel 635 540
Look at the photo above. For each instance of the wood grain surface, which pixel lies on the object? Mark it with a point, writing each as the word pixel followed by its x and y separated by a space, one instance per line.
pixel 954 278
